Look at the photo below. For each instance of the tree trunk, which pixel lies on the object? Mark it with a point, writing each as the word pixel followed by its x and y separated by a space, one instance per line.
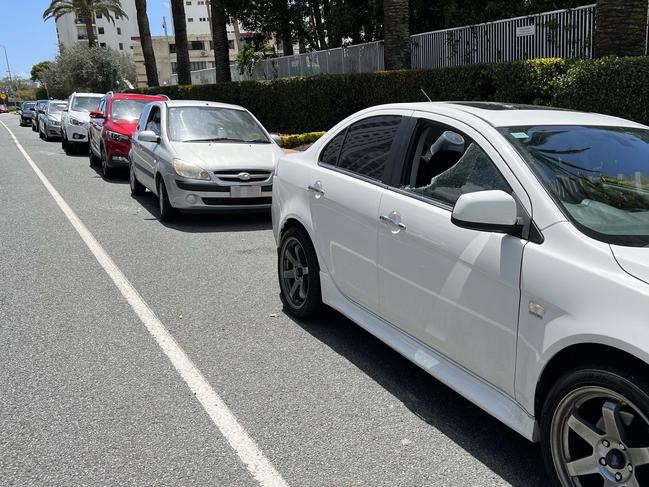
pixel 396 34
pixel 182 47
pixel 620 28
pixel 317 17
pixel 220 41
pixel 90 29
pixel 147 46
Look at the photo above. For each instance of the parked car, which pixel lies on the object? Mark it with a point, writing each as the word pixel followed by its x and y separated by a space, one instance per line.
pixel 49 124
pixel 501 248
pixel 75 120
pixel 4 109
pixel 38 111
pixel 27 111
pixel 111 127
pixel 202 156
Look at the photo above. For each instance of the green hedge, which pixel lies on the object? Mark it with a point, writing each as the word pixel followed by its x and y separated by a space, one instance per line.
pixel 290 141
pixel 298 105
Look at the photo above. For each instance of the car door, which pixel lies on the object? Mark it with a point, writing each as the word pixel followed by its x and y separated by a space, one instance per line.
pixel 149 151
pixel 346 190
pixel 141 166
pixel 455 290
pixel 96 124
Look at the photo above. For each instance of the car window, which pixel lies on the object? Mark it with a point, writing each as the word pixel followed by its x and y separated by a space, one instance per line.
pixel 153 121
pixel 367 145
pixel 102 106
pixel 84 103
pixel 444 163
pixel 330 153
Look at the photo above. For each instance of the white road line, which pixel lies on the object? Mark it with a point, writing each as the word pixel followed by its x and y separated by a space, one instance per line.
pixel 240 441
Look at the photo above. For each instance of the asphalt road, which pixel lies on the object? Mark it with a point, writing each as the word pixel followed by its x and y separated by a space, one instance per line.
pixel 87 396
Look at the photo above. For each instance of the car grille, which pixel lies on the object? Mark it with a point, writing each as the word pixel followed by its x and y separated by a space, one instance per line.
pixel 232 175
pixel 265 200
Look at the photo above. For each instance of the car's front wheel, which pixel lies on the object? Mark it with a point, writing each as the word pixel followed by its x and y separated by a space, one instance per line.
pixel 595 427
pixel 107 171
pixel 167 212
pixel 299 274
pixel 137 188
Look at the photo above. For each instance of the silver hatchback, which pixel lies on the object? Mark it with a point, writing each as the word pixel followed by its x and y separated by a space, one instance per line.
pixel 202 156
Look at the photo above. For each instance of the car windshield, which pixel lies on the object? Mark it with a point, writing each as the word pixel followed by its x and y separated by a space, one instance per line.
pixel 56 107
pixel 598 175
pixel 27 106
pixel 85 103
pixel 214 124
pixel 126 109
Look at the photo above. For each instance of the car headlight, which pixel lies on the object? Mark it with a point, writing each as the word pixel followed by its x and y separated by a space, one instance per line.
pixel 117 136
pixel 189 170
pixel 76 122
pixel 54 122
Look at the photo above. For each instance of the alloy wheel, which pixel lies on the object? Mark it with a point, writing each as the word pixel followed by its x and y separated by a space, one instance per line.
pixel 600 438
pixel 294 273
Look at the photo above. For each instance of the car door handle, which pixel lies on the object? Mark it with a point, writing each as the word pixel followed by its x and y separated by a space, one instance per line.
pixel 316 189
pixel 390 221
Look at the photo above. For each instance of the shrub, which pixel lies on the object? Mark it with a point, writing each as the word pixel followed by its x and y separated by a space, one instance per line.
pixel 297 105
pixel 300 139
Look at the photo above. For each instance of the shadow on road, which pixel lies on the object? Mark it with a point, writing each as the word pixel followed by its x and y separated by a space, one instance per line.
pixel 208 222
pixel 492 443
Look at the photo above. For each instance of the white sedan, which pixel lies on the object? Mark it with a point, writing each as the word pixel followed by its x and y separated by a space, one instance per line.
pixel 202 156
pixel 501 248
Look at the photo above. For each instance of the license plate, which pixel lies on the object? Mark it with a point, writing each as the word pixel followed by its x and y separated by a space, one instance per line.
pixel 245 191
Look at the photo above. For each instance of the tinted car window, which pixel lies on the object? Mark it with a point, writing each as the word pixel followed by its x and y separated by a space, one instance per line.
pixel 367 145
pixel 329 154
pixel 445 164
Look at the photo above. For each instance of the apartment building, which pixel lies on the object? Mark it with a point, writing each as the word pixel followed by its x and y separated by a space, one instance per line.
pixel 71 29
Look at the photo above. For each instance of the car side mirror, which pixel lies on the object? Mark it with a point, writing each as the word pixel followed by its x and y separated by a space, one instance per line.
pixel 277 139
pixel 486 211
pixel 148 136
pixel 96 114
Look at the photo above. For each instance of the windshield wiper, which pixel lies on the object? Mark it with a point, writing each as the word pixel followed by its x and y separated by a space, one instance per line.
pixel 258 141
pixel 215 139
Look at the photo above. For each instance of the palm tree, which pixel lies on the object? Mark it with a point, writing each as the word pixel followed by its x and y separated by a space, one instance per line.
pixel 147 46
pixel 620 27
pixel 220 41
pixel 182 47
pixel 396 34
pixel 86 10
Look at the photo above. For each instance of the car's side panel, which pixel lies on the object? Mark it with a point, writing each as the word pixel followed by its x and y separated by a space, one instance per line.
pixel 584 298
pixel 459 379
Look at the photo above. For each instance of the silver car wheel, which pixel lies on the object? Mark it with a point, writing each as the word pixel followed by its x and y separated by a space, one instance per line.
pixel 598 435
pixel 294 273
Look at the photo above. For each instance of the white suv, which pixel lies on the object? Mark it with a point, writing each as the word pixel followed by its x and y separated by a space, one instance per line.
pixel 74 123
pixel 502 249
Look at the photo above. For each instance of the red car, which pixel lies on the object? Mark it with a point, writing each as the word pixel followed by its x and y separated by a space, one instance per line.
pixel 111 127
pixel 3 109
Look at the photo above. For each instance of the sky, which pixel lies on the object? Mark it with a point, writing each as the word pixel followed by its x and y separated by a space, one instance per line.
pixel 30 40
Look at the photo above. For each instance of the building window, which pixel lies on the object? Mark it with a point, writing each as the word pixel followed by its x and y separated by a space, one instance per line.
pixel 102 44
pixel 202 19
pixel 98 16
pixel 119 31
pixel 121 46
pixel 174 68
pixel 100 30
pixel 231 44
pixel 172 48
pixel 188 3
pixel 197 65
pixel 190 19
pixel 196 46
pixel 201 2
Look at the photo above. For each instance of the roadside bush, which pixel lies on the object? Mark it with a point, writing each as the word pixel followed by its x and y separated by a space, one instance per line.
pixel 296 140
pixel 297 105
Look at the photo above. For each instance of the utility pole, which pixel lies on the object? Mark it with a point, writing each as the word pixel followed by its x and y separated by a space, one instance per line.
pixel 8 68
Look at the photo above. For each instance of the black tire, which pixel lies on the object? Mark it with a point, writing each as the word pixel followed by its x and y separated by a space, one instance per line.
pixel 619 386
pixel 137 188
pixel 306 300
pixel 167 212
pixel 33 127
pixel 94 160
pixel 106 171
pixel 46 137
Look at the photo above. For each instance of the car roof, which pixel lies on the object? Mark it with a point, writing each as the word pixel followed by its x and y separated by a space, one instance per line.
pixel 93 95
pixel 138 96
pixel 201 103
pixel 500 114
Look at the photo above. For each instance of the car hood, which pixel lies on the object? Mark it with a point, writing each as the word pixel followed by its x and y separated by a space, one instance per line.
pixel 634 260
pixel 81 116
pixel 54 116
pixel 223 155
pixel 126 127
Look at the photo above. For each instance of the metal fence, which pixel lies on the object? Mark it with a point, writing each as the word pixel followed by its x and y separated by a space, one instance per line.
pixel 561 33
